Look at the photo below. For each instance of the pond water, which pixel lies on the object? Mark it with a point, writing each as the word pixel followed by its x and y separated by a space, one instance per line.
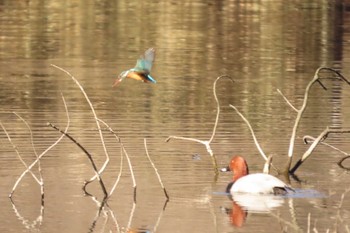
pixel 262 45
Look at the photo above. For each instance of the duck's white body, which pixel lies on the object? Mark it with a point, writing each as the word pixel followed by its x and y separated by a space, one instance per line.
pixel 258 183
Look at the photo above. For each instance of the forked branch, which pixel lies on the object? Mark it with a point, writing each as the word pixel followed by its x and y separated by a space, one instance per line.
pixel 301 110
pixel 206 143
pixel 323 136
pixel 43 153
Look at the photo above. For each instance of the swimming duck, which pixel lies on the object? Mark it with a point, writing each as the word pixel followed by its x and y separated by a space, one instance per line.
pixel 258 183
pixel 142 69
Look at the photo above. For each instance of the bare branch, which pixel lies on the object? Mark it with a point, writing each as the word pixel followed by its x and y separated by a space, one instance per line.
pixel 206 143
pixel 300 111
pixel 99 178
pixel 126 155
pixel 217 105
pixel 156 170
pixel 251 131
pixel 44 152
pixel 340 163
pixel 312 147
pixel 267 165
pixel 121 157
pixel 308 138
pixel 19 155
pixel 96 120
pixel 288 102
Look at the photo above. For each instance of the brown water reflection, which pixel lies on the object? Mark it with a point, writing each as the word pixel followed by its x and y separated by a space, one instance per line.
pixel 263 45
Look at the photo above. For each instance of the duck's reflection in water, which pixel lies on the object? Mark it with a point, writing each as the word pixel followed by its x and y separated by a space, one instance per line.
pixel 243 203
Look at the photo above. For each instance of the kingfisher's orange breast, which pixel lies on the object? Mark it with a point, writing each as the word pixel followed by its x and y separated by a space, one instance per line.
pixel 136 76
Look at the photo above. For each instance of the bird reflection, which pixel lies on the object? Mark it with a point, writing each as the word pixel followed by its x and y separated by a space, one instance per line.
pixel 243 203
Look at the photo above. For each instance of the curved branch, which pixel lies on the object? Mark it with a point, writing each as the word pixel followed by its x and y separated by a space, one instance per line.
pixel 44 152
pixel 217 105
pixel 300 111
pixel 323 136
pixel 96 120
pixel 251 131
pixel 340 163
pixel 206 143
pixel 99 178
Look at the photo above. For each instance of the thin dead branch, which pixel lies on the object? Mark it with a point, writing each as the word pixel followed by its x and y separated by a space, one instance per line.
pixel 35 152
pixel 127 158
pixel 251 131
pixel 206 143
pixel 340 163
pixel 43 153
pixel 156 170
pixel 99 178
pixel 301 110
pixel 307 139
pixel 38 180
pixel 323 136
pixel 96 120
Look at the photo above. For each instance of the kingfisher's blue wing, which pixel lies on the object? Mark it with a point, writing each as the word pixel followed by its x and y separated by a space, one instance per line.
pixel 144 63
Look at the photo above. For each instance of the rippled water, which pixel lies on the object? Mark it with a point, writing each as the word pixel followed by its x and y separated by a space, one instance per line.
pixel 262 45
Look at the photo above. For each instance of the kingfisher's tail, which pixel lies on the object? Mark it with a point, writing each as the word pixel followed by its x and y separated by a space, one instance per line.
pixel 149 78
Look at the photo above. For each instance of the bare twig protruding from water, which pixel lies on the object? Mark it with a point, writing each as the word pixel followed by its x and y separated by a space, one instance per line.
pixel 33 226
pixel 206 143
pixel 267 165
pixel 251 131
pixel 127 158
pixel 38 180
pixel 43 153
pixel 307 139
pixel 313 145
pixel 96 120
pixel 99 178
pixel 301 110
pixel 36 154
pixel 340 163
pixel 156 170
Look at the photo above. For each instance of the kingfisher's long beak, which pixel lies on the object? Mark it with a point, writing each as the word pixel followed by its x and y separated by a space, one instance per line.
pixel 117 82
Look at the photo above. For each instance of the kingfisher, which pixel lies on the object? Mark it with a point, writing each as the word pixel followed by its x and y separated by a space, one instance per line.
pixel 142 69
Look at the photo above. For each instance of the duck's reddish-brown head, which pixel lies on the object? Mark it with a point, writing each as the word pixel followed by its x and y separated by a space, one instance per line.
pixel 239 167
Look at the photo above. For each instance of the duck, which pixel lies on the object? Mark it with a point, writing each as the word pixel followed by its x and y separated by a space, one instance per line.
pixel 142 69
pixel 257 183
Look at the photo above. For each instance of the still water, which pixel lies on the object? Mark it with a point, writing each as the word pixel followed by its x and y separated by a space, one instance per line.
pixel 262 45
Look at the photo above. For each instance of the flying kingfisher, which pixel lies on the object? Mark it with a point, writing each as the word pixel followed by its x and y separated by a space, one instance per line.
pixel 142 69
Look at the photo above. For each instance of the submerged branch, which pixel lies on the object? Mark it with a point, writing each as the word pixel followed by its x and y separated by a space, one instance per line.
pixel 99 178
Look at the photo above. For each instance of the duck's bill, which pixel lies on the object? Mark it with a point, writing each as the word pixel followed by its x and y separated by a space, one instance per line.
pixel 225 169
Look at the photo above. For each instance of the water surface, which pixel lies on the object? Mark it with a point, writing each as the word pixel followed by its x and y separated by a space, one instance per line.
pixel 262 45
